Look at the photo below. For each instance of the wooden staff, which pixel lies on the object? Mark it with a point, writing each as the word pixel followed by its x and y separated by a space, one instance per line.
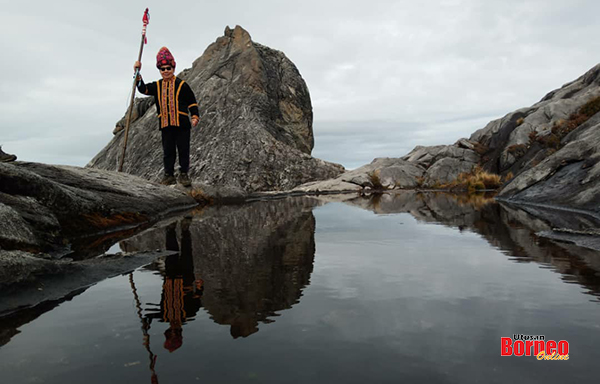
pixel 146 21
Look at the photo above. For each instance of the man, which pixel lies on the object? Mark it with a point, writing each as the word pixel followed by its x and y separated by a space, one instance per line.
pixel 174 98
pixel 5 157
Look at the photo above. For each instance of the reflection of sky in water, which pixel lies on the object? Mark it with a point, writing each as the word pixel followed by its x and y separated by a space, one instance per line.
pixel 390 299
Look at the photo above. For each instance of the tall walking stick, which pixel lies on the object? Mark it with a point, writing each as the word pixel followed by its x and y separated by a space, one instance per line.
pixel 145 20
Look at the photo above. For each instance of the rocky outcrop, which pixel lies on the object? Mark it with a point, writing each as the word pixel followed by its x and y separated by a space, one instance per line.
pixel 255 132
pixel 48 212
pixel 561 169
pixel 389 173
pixel 567 178
pixel 551 149
pixel 514 140
pixel 422 167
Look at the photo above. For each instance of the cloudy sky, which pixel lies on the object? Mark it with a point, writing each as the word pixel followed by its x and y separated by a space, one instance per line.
pixel 384 76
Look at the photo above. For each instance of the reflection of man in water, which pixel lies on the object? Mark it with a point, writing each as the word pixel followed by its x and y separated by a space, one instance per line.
pixel 181 291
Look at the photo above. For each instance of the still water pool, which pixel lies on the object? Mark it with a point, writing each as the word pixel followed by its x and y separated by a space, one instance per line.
pixel 406 288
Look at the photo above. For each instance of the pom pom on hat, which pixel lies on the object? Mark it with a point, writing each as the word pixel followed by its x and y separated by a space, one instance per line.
pixel 164 57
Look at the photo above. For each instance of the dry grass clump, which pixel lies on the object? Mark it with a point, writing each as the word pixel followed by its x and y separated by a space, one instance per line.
pixel 520 121
pixel 375 179
pixel 420 181
pixel 480 148
pixel 201 197
pixel 477 180
pixel 517 150
pixel 561 128
pixel 101 221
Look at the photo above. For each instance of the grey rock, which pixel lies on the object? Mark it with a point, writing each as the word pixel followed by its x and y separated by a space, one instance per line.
pixel 567 178
pixel 17 267
pixel 255 131
pixel 140 107
pixel 427 156
pixel 14 230
pixel 514 128
pixel 45 209
pixel 446 170
pixel 465 143
pixel 391 172
pixel 37 287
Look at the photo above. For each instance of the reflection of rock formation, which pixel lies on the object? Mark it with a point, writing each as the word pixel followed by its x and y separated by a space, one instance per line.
pixel 435 207
pixel 254 260
pixel 512 230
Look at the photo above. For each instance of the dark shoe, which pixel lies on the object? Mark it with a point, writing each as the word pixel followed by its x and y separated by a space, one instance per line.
pixel 184 180
pixel 168 180
pixel 5 157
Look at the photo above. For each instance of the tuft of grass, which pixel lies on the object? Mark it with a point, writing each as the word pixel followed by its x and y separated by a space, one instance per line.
pixel 420 181
pixel 591 107
pixel 508 177
pixel 517 150
pixel 550 141
pixel 476 186
pixel 480 148
pixel 473 181
pixel 375 179
pixel 101 221
pixel 201 197
pixel 520 121
pixel 561 128
pixel 532 138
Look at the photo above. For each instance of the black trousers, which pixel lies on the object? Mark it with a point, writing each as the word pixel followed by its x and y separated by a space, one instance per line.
pixel 176 139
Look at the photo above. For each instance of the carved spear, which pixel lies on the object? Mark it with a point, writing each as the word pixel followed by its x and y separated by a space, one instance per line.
pixel 146 21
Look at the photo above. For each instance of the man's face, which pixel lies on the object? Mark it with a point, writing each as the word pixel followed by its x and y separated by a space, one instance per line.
pixel 166 71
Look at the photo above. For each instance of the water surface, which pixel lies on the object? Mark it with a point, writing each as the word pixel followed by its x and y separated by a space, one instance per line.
pixel 398 288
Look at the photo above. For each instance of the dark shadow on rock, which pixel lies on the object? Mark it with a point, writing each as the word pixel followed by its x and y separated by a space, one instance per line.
pixel 20 305
pixel 249 261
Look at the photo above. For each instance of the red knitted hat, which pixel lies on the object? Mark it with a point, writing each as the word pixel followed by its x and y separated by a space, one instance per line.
pixel 164 57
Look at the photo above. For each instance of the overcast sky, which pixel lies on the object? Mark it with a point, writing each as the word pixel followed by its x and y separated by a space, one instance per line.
pixel 384 76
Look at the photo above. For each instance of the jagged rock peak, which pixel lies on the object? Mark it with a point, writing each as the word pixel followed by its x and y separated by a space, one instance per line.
pixel 255 131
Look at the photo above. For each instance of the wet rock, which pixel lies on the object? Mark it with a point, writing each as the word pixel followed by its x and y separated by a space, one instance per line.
pixel 255 132
pixel 17 267
pixel 46 209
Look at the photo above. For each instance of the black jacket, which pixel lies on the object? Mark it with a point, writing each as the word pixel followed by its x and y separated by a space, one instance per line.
pixel 172 111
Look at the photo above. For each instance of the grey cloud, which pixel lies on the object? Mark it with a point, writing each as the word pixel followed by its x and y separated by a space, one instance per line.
pixel 439 64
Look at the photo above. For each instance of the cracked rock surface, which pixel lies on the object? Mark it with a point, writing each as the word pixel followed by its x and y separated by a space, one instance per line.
pixel 255 131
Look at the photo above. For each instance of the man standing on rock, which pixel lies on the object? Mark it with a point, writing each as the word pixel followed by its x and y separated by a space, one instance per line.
pixel 174 98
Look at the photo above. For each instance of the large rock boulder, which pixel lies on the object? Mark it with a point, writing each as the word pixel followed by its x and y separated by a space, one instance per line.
pixel 550 147
pixel 381 173
pixel 50 211
pixel 513 141
pixel 255 132
pixel 568 177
